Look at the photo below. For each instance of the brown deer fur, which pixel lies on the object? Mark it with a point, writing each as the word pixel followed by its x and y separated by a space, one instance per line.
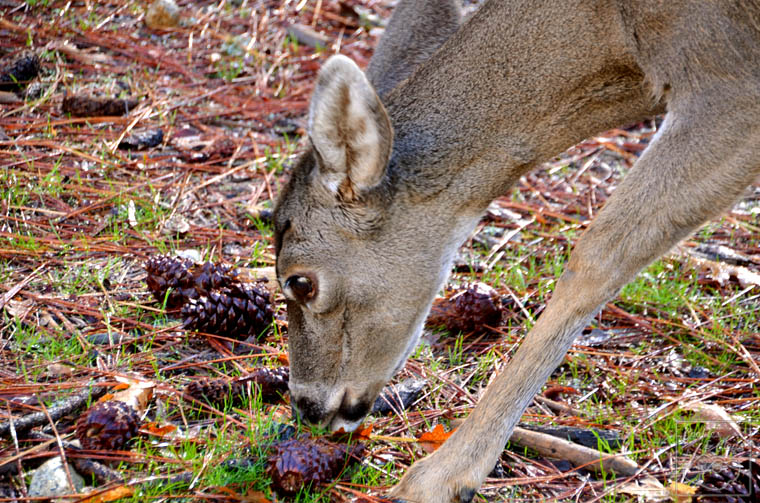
pixel 374 211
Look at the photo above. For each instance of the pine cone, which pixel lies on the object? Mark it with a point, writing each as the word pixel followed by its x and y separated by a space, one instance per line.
pixel 187 279
pixel 107 426
pixel 299 462
pixel 18 74
pixel 237 311
pixel 469 309
pixel 735 483
pixel 272 384
pixel 212 391
pixel 166 272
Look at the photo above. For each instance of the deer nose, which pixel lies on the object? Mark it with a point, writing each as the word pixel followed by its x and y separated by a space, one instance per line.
pixel 309 410
pixel 353 412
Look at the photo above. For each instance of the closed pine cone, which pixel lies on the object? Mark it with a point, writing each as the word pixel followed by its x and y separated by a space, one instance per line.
pixel 186 279
pixel 298 462
pixel 237 311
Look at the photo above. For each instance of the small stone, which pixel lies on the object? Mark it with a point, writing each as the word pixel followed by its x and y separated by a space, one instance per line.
pixel 162 14
pixel 398 397
pixel 176 224
pixel 34 91
pixel 142 139
pixel 305 35
pixel 189 254
pixel 50 480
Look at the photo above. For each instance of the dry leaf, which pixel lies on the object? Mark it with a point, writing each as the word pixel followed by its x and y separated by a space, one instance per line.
pixel 109 495
pixel 87 58
pixel 648 489
pixel 59 370
pixel 432 440
pixel 681 493
pixel 553 392
pixel 19 309
pixel 715 418
pixel 363 433
pixel 722 272
pixel 7 98
pixel 255 497
pixel 159 431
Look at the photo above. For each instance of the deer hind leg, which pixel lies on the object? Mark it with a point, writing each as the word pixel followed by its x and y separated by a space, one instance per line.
pixel 701 161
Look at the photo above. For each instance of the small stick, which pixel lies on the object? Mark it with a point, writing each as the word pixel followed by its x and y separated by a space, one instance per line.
pixel 558 406
pixel 578 455
pixel 56 412
pixel 61 450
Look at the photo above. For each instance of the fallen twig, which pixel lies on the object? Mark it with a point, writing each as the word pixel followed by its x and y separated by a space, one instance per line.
pixel 55 412
pixel 578 455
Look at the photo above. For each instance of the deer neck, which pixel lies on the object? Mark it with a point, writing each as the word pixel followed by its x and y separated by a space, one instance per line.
pixel 490 105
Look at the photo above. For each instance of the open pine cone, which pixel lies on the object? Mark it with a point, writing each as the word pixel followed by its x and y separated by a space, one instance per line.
pixel 301 461
pixel 735 483
pixel 468 309
pixel 271 383
pixel 107 426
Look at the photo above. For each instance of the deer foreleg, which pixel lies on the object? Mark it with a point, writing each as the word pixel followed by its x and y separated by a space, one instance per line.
pixel 701 160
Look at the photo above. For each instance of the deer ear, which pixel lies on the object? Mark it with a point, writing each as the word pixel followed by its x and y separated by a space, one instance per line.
pixel 349 129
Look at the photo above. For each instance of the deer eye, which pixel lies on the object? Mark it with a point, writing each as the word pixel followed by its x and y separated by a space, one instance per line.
pixel 302 287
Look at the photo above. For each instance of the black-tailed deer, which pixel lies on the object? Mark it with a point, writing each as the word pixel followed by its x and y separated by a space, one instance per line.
pixel 374 211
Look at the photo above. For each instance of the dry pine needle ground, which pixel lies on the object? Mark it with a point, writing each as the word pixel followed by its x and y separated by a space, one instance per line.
pixel 178 140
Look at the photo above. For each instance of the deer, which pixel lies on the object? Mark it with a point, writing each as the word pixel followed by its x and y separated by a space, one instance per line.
pixel 403 160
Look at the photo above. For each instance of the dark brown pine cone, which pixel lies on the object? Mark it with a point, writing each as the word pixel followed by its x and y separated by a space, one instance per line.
pixel 237 311
pixel 734 483
pixel 186 279
pixel 212 391
pixel 298 462
pixel 272 384
pixel 107 426
pixel 173 273
pixel 18 74
pixel 209 276
pixel 469 309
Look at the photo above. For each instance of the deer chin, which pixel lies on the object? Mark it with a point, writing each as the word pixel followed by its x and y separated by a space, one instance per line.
pixel 338 423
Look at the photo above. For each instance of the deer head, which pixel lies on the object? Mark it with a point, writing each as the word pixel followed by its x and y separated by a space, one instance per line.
pixel 359 271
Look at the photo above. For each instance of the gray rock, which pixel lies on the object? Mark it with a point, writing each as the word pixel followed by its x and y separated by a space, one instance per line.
pixel 50 480
pixel 397 397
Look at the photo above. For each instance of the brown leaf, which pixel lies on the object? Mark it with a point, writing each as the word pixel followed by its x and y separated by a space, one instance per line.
pixel 113 494
pixel 715 418
pixel 160 431
pixel 553 392
pixel 138 393
pixel 432 440
pixel 681 493
pixel 255 497
pixel 363 433
pixel 648 489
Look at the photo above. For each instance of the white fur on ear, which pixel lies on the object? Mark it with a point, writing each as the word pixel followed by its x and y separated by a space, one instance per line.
pixel 349 128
